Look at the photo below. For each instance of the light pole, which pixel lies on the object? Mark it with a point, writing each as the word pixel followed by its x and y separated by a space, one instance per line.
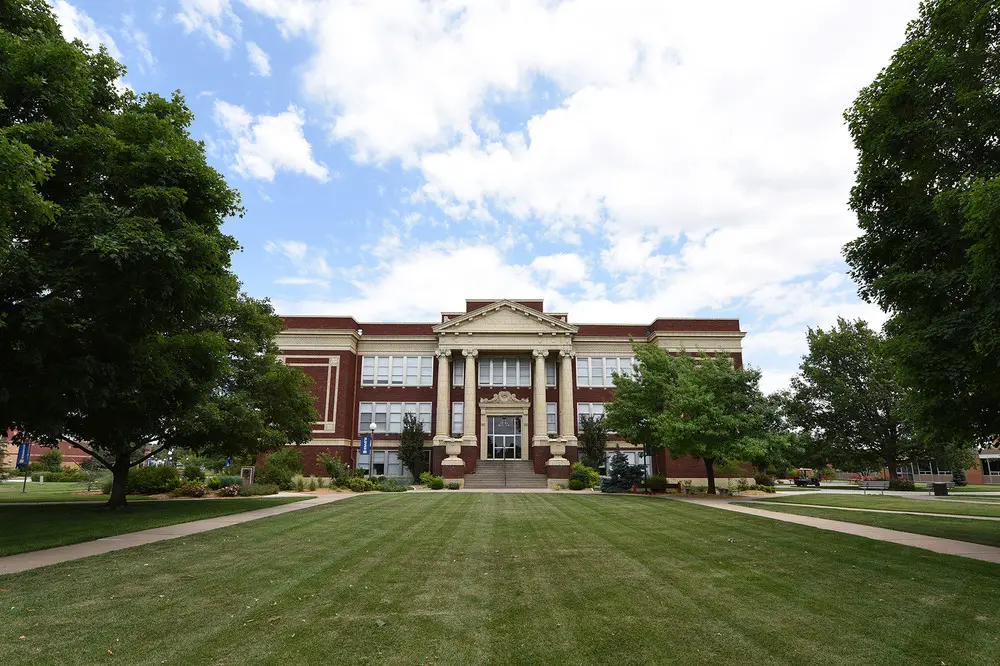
pixel 371 449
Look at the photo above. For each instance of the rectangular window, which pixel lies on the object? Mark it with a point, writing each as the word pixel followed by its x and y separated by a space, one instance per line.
pixel 600 371
pixel 550 373
pixel 594 409
pixel 458 373
pixel 367 370
pixel 388 416
pixel 393 466
pixel 426 370
pixel 503 371
pixel 412 370
pixel 551 425
pixel 457 422
pixel 397 370
pixel 424 415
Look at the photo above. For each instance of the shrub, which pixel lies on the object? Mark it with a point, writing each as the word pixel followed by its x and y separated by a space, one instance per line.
pixel 312 483
pixel 193 490
pixel 593 440
pixel 901 484
pixel 827 473
pixel 335 467
pixel 281 466
pixel 588 476
pixel 623 475
pixel 230 481
pixel 761 487
pixel 656 483
pixel 425 478
pixel 34 467
pixel 229 491
pixel 51 461
pixel 765 480
pixel 254 489
pixel 454 485
pixel 74 476
pixel 390 487
pixel 360 485
pixel 152 480
pixel 436 483
pixel 193 472
pixel 958 477
pixel 576 484
pixel 300 485
pixel 213 483
pixel 411 445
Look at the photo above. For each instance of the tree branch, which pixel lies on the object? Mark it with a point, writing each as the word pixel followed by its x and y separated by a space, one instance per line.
pixel 150 454
pixel 90 452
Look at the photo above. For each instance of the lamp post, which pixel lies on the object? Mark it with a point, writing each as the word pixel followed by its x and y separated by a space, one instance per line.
pixel 371 449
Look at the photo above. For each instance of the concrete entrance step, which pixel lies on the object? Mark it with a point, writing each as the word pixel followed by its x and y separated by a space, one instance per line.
pixel 505 474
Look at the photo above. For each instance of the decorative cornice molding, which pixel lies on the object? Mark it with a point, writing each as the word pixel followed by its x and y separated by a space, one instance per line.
pixel 504 398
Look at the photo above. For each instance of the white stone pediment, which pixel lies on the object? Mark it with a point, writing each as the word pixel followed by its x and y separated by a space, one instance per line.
pixel 505 317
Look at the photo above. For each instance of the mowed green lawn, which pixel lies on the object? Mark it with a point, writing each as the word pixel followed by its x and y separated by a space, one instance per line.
pixel 986 532
pixel 468 578
pixel 891 503
pixel 26 528
pixel 50 492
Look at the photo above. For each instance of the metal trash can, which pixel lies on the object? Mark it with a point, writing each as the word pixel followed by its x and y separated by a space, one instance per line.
pixel 940 488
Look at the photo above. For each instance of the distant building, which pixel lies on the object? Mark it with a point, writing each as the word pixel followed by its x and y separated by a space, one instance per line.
pixel 502 381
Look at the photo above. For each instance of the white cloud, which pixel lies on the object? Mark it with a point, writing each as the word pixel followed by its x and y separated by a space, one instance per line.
pixel 560 270
pixel 309 262
pixel 139 40
pixel 258 58
pixel 700 147
pixel 76 24
pixel 264 145
pixel 213 18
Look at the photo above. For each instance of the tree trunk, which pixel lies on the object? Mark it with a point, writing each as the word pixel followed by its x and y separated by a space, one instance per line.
pixel 710 472
pixel 892 466
pixel 119 485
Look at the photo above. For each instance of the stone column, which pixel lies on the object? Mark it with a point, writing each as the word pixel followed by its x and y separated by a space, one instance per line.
pixel 557 466
pixel 442 424
pixel 540 435
pixel 567 415
pixel 469 410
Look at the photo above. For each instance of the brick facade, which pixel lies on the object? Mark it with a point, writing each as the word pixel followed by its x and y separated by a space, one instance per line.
pixel 331 351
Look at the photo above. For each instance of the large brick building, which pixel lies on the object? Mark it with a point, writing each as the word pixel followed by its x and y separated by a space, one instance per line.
pixel 502 381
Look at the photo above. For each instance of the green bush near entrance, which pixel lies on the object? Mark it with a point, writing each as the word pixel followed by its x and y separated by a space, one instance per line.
pixel 587 476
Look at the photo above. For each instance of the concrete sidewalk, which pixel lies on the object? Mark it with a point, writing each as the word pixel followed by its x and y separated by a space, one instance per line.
pixel 945 546
pixel 762 503
pixel 42 558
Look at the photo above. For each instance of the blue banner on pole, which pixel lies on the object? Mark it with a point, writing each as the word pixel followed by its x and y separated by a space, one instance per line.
pixel 22 453
pixel 229 461
pixel 366 444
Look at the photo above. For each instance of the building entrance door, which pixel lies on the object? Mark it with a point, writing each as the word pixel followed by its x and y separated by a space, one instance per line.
pixel 503 437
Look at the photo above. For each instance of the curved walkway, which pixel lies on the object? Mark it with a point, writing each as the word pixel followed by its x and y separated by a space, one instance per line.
pixel 42 558
pixel 763 503
pixel 935 544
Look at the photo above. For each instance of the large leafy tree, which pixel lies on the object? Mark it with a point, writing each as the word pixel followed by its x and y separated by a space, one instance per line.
pixel 927 198
pixel 699 406
pixel 122 328
pixel 847 402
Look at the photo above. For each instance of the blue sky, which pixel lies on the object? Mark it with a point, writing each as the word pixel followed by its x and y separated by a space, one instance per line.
pixel 622 160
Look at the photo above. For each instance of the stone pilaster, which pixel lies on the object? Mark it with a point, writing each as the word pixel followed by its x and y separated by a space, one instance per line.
pixel 442 424
pixel 539 430
pixel 567 410
pixel 469 409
